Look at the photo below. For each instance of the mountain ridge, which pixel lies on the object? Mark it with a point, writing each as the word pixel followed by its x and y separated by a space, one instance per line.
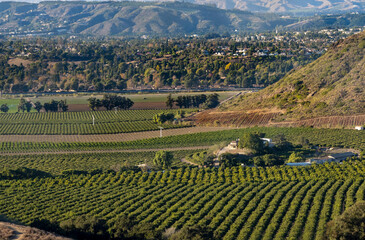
pixel 296 6
pixel 123 18
pixel 151 18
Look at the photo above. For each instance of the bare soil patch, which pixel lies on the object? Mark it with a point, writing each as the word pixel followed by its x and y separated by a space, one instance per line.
pixel 270 118
pixel 19 61
pixel 328 122
pixel 10 231
pixel 234 118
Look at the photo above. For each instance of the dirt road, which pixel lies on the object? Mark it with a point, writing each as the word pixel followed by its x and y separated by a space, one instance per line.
pixel 40 152
pixel 122 137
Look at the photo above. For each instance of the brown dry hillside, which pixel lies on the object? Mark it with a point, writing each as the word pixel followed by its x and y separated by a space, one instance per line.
pixel 10 231
pixel 333 85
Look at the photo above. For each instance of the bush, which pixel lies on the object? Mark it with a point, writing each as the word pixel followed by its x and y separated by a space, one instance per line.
pixel 202 158
pixel 350 225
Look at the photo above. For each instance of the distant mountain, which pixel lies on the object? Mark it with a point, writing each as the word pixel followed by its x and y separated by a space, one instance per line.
pixel 289 5
pixel 122 18
pixel 332 85
pixel 295 6
pixel 150 18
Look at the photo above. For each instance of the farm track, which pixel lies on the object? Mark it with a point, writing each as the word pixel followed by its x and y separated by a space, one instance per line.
pixel 109 151
pixel 120 137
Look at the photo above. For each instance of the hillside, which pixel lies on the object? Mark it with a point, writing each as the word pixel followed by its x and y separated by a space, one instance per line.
pixel 333 85
pixel 129 18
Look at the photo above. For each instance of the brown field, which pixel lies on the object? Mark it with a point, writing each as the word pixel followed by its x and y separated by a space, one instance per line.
pixel 122 137
pixel 328 122
pixel 236 119
pixel 247 119
pixel 19 61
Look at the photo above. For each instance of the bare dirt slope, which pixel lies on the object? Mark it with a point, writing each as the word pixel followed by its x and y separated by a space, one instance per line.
pixel 10 231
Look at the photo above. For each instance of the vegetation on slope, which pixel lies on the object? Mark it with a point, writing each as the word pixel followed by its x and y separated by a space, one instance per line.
pixel 331 85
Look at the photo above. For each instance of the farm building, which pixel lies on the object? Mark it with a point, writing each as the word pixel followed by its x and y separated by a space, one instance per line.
pixel 335 157
pixel 338 157
pixel 359 128
pixel 297 164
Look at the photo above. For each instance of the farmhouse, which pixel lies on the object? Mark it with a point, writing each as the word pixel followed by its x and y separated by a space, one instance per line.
pixel 360 128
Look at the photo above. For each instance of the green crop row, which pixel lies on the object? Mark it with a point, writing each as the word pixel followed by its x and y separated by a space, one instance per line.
pixel 323 137
pixel 83 117
pixel 242 210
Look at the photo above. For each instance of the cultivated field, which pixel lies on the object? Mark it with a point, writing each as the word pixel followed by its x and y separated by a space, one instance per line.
pixel 80 123
pixel 249 119
pixel 118 137
pixel 238 203
pixel 236 119
pixel 78 101
pixel 328 122
pixel 342 138
pixel 103 160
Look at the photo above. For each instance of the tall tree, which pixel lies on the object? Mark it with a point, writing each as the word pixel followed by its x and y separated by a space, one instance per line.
pixel 62 104
pixel 38 106
pixel 163 159
pixel 169 101
pixel 252 141
pixel 350 225
pixel 21 105
pixel 4 108
pixel 28 106
pixel 92 103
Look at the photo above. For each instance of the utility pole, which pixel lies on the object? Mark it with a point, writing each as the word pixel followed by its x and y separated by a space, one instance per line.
pixel 160 131
pixel 93 119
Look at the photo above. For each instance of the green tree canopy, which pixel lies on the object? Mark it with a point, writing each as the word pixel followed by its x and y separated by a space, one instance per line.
pixel 193 233
pixel 4 108
pixel 348 226
pixel 169 101
pixel 38 106
pixel 296 157
pixel 163 159
pixel 252 141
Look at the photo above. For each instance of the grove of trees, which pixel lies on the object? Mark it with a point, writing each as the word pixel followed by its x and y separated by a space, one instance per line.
pixel 110 102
